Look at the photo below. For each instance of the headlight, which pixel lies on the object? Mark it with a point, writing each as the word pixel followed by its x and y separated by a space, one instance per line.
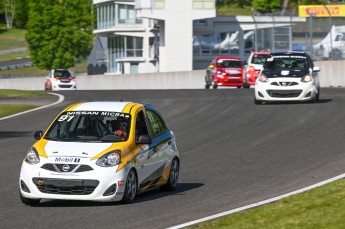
pixel 263 78
pixel 220 73
pixel 32 156
pixel 307 78
pixel 110 159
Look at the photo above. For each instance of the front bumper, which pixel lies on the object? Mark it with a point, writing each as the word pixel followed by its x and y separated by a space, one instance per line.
pixel 280 91
pixel 57 86
pixel 99 184
pixel 230 81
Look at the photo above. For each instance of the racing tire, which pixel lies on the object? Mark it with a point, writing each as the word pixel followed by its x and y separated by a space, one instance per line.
pixel 130 188
pixel 245 85
pixel 173 176
pixel 317 95
pixel 28 201
pixel 257 102
pixel 207 86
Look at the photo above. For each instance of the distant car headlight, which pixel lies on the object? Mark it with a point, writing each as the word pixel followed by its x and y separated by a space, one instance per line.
pixel 32 156
pixel 307 78
pixel 110 159
pixel 220 74
pixel 263 78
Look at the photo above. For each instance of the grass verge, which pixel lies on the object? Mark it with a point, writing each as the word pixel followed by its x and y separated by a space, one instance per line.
pixel 12 39
pixel 7 93
pixel 10 109
pixel 322 207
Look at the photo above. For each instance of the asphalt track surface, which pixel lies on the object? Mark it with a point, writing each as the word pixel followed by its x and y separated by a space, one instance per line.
pixel 233 153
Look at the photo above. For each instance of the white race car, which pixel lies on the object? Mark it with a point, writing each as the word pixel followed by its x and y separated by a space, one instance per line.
pixel 288 76
pixel 100 151
pixel 60 79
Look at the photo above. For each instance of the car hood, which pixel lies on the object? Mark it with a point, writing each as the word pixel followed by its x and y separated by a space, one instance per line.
pixel 74 149
pixel 285 73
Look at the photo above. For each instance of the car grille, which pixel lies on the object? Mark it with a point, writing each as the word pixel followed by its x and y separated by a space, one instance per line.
pixel 284 93
pixel 65 86
pixel 65 186
pixel 66 168
pixel 284 84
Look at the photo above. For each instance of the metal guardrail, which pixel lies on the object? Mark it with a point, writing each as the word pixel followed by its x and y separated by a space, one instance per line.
pixel 13 51
pixel 14 64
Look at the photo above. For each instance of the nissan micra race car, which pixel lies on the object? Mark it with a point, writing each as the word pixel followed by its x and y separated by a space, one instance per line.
pixel 288 76
pixel 100 151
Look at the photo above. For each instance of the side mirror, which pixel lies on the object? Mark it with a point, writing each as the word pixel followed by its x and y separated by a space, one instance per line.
pixel 38 135
pixel 316 69
pixel 144 139
pixel 211 66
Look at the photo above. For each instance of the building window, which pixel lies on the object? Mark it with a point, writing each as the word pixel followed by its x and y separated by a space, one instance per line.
pixel 127 15
pixel 134 68
pixel 120 47
pixel 105 15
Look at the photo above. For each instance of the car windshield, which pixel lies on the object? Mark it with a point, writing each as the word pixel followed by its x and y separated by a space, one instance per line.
pixel 287 62
pixel 90 126
pixel 259 59
pixel 62 74
pixel 229 63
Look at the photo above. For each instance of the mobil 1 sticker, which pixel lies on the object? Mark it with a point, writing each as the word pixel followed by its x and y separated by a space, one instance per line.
pixel 67 160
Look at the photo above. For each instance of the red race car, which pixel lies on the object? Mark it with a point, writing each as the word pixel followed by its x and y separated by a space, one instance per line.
pixel 225 71
pixel 254 66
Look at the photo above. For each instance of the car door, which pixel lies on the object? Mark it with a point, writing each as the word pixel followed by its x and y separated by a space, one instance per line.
pixel 153 160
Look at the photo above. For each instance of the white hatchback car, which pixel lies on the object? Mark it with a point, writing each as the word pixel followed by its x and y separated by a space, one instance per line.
pixel 288 76
pixel 100 151
pixel 60 79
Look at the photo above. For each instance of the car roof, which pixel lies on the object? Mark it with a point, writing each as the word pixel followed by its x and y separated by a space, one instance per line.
pixel 110 106
pixel 116 106
pixel 261 53
pixel 228 57
pixel 289 53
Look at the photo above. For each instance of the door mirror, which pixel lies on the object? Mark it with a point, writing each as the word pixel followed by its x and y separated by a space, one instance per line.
pixel 38 135
pixel 316 69
pixel 211 66
pixel 144 139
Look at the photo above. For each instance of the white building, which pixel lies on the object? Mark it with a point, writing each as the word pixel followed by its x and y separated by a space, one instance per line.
pixel 141 36
pixel 144 36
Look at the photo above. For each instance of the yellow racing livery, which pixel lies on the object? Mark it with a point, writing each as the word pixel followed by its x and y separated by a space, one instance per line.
pixel 100 151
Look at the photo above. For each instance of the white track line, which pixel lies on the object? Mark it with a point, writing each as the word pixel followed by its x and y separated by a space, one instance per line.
pixel 61 98
pixel 256 204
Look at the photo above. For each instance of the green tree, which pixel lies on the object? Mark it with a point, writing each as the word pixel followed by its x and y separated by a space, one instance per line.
pixel 264 6
pixel 59 31
pixel 21 17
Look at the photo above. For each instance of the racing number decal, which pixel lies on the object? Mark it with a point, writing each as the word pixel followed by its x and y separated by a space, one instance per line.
pixel 65 118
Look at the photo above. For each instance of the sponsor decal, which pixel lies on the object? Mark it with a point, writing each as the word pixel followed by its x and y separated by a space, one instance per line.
pixel 67 159
pixel 64 174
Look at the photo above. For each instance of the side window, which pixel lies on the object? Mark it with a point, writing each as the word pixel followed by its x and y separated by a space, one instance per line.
pixel 156 124
pixel 140 127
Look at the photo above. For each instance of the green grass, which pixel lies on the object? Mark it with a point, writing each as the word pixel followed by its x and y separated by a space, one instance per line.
pixel 8 93
pixel 322 207
pixel 233 10
pixel 12 39
pixel 25 71
pixel 9 109
pixel 14 56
